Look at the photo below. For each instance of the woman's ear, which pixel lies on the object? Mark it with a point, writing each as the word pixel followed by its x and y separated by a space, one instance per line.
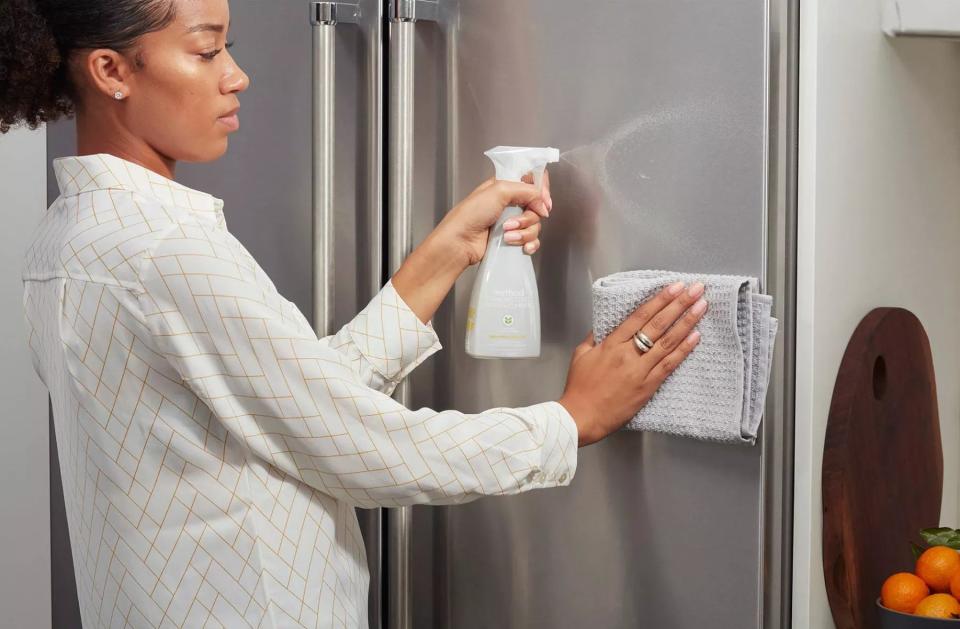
pixel 105 71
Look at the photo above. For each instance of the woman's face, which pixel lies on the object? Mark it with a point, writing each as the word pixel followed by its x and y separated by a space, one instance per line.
pixel 176 103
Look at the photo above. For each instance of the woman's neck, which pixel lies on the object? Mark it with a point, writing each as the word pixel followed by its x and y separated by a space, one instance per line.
pixel 93 136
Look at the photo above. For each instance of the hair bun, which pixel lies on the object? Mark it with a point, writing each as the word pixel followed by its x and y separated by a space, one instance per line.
pixel 33 82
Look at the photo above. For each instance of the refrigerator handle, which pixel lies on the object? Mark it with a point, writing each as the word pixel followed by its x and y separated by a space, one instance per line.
pixel 324 17
pixel 403 15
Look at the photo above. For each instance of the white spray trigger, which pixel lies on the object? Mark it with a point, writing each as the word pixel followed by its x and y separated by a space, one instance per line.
pixel 513 162
pixel 538 178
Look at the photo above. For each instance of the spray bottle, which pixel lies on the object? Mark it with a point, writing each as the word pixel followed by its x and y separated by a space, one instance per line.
pixel 503 320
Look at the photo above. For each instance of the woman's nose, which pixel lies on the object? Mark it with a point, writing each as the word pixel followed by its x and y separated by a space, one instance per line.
pixel 236 80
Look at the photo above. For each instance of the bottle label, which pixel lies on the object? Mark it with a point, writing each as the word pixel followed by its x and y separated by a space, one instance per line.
pixel 505 319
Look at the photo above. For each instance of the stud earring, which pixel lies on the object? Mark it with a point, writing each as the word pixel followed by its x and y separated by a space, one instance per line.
pixel 118 95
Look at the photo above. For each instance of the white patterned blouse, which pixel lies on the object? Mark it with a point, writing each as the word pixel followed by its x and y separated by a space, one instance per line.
pixel 213 448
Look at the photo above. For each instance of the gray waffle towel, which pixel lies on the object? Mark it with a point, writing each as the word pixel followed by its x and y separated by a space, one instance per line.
pixel 718 392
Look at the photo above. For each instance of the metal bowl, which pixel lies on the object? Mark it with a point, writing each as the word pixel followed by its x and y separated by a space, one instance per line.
pixel 890 619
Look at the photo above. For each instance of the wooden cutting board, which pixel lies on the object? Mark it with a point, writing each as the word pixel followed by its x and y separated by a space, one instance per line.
pixel 882 462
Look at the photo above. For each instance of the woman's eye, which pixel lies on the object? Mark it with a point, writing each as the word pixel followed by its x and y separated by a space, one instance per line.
pixel 210 55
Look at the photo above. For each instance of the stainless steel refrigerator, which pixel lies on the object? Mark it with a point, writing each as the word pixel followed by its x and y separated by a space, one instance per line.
pixel 676 119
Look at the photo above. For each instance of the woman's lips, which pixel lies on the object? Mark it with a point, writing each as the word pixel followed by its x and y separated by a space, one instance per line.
pixel 231 122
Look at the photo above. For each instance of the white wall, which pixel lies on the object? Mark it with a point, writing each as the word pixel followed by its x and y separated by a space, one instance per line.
pixel 879 225
pixel 24 475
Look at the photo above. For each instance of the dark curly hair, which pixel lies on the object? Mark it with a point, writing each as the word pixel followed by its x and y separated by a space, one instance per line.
pixel 37 38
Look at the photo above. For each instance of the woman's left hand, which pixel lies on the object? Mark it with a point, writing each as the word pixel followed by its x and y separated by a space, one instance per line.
pixel 470 221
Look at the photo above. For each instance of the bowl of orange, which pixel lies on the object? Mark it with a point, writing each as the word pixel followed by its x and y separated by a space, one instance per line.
pixel 890 619
pixel 927 597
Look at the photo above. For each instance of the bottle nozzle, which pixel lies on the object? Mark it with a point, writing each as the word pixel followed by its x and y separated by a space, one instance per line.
pixel 513 162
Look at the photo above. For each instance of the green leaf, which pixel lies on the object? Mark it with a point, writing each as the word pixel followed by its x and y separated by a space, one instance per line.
pixel 942 536
pixel 936 531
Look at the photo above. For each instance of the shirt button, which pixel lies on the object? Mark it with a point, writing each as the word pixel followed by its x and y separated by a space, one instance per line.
pixel 563 478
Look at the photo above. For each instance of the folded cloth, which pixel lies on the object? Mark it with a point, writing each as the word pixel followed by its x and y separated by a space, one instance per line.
pixel 718 392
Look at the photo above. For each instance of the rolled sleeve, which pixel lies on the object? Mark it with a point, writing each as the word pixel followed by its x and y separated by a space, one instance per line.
pixel 557 437
pixel 390 338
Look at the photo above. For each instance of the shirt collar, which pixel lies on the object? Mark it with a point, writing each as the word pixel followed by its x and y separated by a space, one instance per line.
pixel 80 173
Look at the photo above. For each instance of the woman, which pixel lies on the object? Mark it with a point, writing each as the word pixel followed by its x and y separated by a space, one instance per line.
pixel 212 448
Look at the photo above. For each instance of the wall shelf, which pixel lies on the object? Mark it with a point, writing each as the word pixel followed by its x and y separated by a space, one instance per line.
pixel 921 18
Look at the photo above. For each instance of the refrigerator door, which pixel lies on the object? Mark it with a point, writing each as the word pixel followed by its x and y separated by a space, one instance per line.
pixel 658 107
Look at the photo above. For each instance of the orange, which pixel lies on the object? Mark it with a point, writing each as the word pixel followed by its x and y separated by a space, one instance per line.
pixel 937 565
pixel 902 591
pixel 939 606
pixel 955 585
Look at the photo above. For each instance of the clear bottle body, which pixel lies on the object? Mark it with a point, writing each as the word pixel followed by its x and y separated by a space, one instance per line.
pixel 503 319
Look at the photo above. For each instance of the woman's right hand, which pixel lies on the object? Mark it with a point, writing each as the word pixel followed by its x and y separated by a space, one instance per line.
pixel 607 383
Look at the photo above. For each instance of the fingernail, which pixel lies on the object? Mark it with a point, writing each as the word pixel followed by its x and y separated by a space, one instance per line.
pixel 693 337
pixel 699 307
pixel 513 237
pixel 674 289
pixel 696 289
pixel 549 204
pixel 529 247
pixel 511 224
